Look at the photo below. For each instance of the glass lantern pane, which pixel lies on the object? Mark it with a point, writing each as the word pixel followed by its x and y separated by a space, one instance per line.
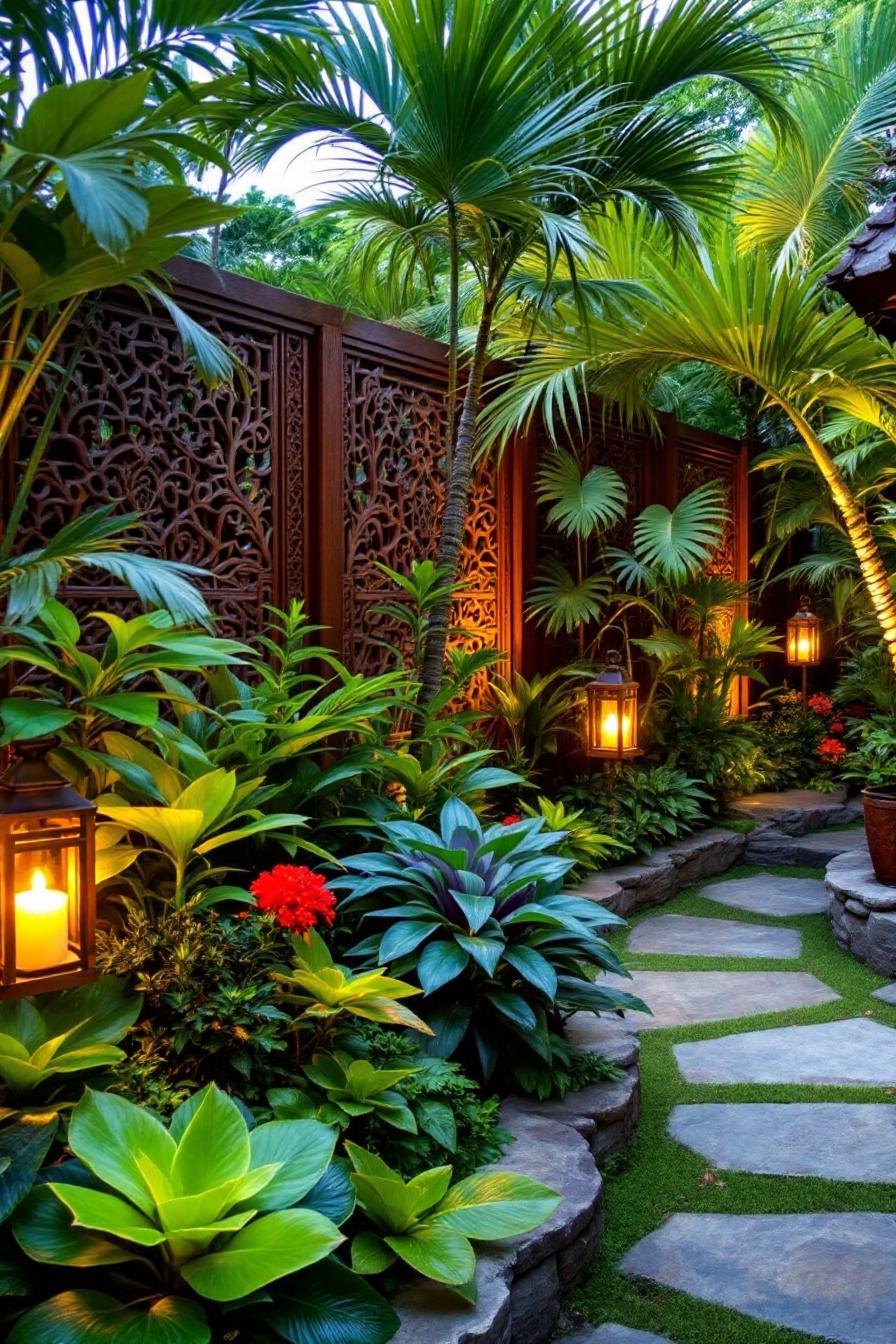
pixel 45 886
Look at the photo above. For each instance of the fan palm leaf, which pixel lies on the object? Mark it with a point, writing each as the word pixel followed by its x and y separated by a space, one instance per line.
pixel 582 503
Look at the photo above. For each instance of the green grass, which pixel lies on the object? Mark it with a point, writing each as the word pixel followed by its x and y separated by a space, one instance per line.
pixel 656 1177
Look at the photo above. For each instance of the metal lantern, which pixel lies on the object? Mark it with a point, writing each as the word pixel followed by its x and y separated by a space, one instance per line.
pixel 612 723
pixel 47 878
pixel 804 637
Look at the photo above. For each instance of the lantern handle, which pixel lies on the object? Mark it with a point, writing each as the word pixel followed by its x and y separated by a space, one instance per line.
pixel 617 653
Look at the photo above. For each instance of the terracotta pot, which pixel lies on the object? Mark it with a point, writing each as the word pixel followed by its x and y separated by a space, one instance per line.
pixel 880 826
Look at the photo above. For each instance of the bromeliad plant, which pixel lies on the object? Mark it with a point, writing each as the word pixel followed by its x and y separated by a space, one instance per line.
pixel 479 918
pixel 204 1214
pixel 429 1223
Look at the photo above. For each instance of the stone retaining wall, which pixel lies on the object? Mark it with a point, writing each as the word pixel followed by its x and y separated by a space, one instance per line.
pixel 520 1281
pixel 862 911
pixel 631 886
pixel 791 827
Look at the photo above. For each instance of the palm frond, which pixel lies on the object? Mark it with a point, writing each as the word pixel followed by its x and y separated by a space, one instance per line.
pixel 581 503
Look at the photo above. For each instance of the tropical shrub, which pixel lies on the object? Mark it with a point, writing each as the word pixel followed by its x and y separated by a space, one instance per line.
pixel 456 1123
pixel 582 839
pixel 535 717
pixel 429 1223
pixel 210 1010
pixel 655 804
pixel 84 693
pixel 204 1212
pixel 804 744
pixel 867 684
pixel 872 759
pixel 479 919
pixel 64 1034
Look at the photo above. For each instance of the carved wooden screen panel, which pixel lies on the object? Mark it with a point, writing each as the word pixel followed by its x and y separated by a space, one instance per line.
pixel 394 423
pixel 139 430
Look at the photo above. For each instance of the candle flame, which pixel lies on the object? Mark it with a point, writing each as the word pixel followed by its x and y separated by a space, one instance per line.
pixel 38 881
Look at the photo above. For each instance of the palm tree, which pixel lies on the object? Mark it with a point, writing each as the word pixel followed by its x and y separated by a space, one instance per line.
pixel 499 123
pixel 767 327
pixel 801 199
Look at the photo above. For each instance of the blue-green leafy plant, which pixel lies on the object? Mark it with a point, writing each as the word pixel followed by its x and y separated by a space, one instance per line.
pixel 429 1223
pixel 203 1212
pixel 479 918
pixel 62 1034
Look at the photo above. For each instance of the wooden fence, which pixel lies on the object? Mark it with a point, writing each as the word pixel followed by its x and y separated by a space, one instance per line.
pixel 327 461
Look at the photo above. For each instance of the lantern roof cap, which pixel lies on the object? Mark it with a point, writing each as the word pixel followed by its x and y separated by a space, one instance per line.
pixel 29 783
pixel 614 673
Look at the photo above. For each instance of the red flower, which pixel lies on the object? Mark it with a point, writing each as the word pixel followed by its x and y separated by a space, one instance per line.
pixel 832 750
pixel 297 898
pixel 837 727
pixel 821 704
pixel 512 818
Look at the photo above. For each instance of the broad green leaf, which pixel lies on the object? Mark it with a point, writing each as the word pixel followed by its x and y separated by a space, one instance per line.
pixel 23 1146
pixel 436 1119
pixel 106 1132
pixel 271 1247
pixel 101 1212
pixel 102 1011
pixel 438 1252
pixel 370 1254
pixel 214 1147
pixel 333 1196
pixel 329 1305
pixel 494 1204
pixel 24 718
pixel 129 706
pixel 88 1317
pixel 43 1228
pixel 440 962
pixel 304 1148
pixel 176 830
pixel 68 119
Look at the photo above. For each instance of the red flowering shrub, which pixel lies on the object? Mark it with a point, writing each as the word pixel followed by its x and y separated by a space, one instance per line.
pixel 821 704
pixel 831 750
pixel 511 819
pixel 298 899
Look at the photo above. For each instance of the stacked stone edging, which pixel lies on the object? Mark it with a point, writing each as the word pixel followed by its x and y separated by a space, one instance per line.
pixel 862 911
pixel 520 1281
pixel 788 825
pixel 655 879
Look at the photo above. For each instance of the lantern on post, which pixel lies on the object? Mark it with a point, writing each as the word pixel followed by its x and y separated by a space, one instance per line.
pixel 47 878
pixel 804 640
pixel 612 717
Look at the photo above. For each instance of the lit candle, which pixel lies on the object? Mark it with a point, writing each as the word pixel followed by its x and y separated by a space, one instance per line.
pixel 41 925
pixel 802 649
pixel 609 730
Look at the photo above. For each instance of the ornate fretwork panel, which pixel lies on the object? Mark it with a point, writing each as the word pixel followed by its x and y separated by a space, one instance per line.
pixel 394 427
pixel 139 430
pixel 696 466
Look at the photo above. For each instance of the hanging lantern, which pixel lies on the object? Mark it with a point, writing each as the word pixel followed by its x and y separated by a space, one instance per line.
pixel 804 637
pixel 612 722
pixel 47 878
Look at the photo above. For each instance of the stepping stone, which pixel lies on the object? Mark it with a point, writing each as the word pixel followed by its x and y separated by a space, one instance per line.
pixel 768 895
pixel 887 994
pixel 677 998
pixel 837 1140
pixel 613 1334
pixel 857 1052
pixel 689 935
pixel 828 1274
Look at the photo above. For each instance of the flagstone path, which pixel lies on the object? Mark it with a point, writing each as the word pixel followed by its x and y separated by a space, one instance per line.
pixel 829 1274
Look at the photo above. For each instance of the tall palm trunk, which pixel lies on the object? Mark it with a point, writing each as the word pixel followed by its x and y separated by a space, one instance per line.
pixel 454 517
pixel 874 573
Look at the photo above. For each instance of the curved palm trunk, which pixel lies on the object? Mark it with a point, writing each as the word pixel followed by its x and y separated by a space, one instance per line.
pixel 454 517
pixel 874 573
